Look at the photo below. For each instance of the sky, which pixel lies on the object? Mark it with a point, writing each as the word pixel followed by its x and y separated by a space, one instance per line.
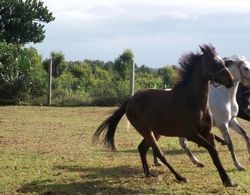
pixel 157 31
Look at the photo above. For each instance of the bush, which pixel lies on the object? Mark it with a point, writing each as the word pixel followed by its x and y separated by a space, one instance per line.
pixel 110 93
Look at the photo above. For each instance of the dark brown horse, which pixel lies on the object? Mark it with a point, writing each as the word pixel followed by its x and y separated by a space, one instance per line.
pixel 181 112
pixel 243 100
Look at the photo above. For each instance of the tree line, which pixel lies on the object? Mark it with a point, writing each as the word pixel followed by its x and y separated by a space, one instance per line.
pixel 24 74
pixel 24 78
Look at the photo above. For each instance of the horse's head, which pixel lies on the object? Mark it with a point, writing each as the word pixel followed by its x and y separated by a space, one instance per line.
pixel 214 68
pixel 239 68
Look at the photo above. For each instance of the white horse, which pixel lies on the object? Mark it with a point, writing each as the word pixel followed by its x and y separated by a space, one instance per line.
pixel 223 105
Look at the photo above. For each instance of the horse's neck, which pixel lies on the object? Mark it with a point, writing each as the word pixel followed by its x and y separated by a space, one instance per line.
pixel 236 74
pixel 233 91
pixel 226 93
pixel 199 89
pixel 223 100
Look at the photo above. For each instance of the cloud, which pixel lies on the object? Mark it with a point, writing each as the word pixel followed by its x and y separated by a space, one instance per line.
pixel 141 10
pixel 102 29
pixel 109 17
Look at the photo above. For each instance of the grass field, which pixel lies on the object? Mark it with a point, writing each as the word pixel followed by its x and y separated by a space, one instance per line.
pixel 48 151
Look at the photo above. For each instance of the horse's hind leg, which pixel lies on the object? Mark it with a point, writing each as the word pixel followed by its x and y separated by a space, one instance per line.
pixel 184 144
pixel 225 132
pixel 150 139
pixel 236 126
pixel 200 140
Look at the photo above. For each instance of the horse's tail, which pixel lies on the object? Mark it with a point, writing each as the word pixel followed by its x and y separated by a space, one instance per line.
pixel 108 127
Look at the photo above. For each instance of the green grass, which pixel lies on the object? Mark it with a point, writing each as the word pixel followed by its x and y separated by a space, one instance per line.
pixel 49 151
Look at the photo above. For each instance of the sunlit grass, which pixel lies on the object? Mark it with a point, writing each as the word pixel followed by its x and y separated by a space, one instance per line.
pixel 49 150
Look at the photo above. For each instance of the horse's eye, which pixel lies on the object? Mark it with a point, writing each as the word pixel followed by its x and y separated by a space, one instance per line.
pixel 246 69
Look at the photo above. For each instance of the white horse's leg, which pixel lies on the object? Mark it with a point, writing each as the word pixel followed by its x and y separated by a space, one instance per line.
pixel 236 126
pixel 184 144
pixel 225 133
pixel 157 161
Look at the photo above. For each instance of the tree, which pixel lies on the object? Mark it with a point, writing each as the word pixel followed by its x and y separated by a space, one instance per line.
pixel 58 63
pixel 168 75
pixel 144 69
pixel 37 77
pixel 21 73
pixel 144 80
pixel 109 66
pixel 21 21
pixel 10 77
pixel 123 63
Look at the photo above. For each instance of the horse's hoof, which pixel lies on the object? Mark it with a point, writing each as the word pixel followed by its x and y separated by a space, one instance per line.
pixel 158 164
pixel 151 175
pixel 181 179
pixel 241 168
pixel 229 183
pixel 223 143
pixel 200 165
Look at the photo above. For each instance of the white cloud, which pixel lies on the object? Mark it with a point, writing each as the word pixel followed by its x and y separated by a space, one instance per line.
pixel 104 15
pixel 100 29
pixel 104 9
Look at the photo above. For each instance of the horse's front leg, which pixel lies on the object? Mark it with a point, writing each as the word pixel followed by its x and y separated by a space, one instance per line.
pixel 218 139
pixel 201 141
pixel 206 127
pixel 236 126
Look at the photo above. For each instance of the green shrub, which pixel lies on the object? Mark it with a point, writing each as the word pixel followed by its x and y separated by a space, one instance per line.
pixel 21 74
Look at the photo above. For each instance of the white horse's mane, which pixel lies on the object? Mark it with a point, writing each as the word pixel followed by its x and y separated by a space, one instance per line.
pixel 237 58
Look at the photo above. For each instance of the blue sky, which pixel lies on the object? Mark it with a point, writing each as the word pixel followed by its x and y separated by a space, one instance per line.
pixel 157 31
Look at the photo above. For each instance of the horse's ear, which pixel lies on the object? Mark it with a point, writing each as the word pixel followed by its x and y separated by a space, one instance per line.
pixel 203 49
pixel 228 62
pixel 207 49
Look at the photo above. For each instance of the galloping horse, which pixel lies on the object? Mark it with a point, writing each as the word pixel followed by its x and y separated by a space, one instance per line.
pixel 222 102
pixel 181 112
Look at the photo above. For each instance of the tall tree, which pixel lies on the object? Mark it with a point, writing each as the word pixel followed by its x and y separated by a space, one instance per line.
pixel 123 63
pixel 58 63
pixel 21 21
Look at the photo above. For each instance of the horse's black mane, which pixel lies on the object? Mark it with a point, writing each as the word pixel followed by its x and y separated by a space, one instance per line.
pixel 188 62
